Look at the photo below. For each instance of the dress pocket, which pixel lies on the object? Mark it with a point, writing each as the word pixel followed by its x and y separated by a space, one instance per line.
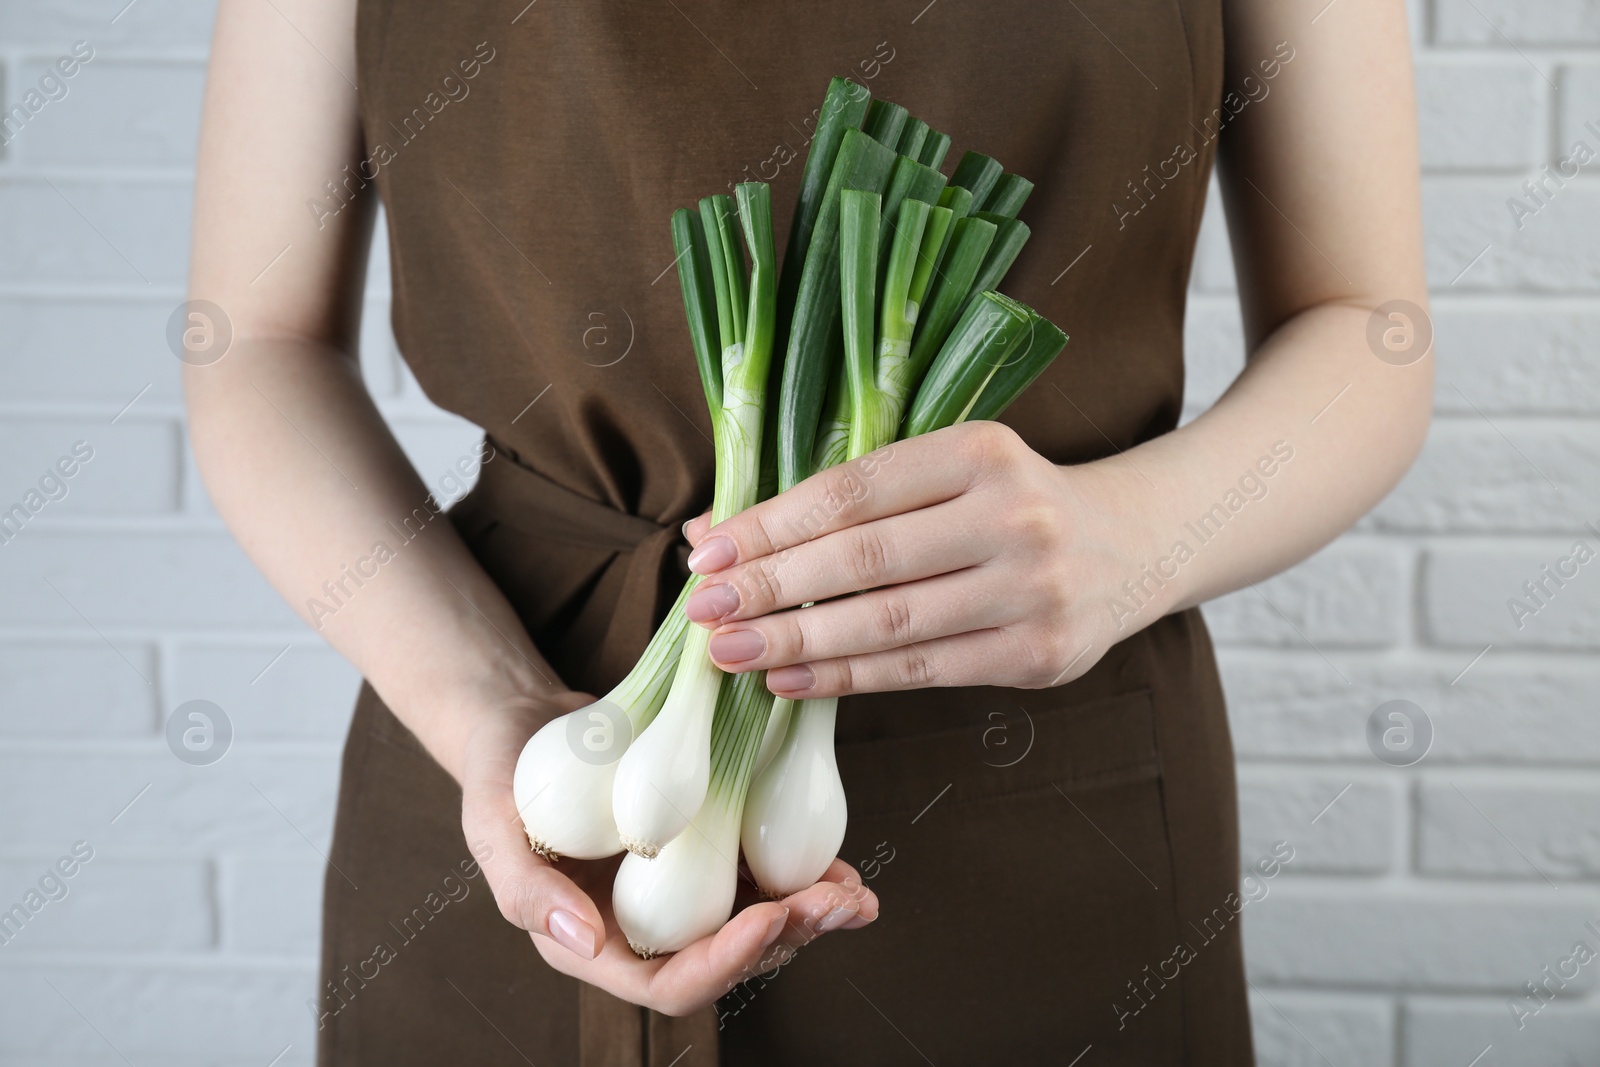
pixel 1016 741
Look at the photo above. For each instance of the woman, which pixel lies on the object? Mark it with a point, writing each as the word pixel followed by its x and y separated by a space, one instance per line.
pixel 1054 838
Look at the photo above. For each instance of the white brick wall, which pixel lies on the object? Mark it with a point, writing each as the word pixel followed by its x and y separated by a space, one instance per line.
pixel 1419 899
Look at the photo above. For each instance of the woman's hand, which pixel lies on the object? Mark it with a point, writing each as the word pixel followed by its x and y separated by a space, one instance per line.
pixel 566 907
pixel 987 565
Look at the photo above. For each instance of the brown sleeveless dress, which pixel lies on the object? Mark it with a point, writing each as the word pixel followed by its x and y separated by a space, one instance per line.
pixel 1040 856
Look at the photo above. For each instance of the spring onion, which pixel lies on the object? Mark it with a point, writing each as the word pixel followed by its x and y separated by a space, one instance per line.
pixel 885 320
pixel 662 778
pixel 684 893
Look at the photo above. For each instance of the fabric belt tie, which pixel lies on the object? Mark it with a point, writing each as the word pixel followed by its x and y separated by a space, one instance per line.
pixel 530 502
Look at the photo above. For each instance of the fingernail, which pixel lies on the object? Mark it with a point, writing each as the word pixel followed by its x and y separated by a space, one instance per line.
pixel 835 919
pixel 712 602
pixel 794 679
pixel 713 554
pixel 573 934
pixel 775 930
pixel 738 646
pixel 685 528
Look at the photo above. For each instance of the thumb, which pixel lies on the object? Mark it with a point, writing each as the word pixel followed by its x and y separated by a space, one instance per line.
pixel 530 893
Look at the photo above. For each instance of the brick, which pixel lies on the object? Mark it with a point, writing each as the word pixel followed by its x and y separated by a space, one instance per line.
pixel 1551 252
pixel 252 800
pixel 136 578
pixel 1348 595
pixel 148 1011
pixel 1466 592
pixel 80 231
pixel 1557 22
pixel 133 470
pixel 117 347
pixel 1488 474
pixel 1578 109
pixel 52 25
pixel 1500 711
pixel 1413 936
pixel 1472 826
pixel 307 693
pixel 1213 343
pixel 1353 835
pixel 65 689
pixel 1295 1029
pixel 1521 355
pixel 1478 114
pixel 1449 1033
pixel 273 907
pixel 115 112
pixel 111 905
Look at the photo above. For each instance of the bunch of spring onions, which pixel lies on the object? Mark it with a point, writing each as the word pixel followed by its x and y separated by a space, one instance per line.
pixel 883 323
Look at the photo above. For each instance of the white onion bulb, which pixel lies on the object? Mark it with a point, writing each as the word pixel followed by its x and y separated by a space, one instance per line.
pixel 662 778
pixel 795 815
pixel 685 892
pixel 562 785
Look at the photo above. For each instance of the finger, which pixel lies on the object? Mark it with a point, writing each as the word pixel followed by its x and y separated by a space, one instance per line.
pixel 877 621
pixel 695 529
pixel 702 972
pixel 760 937
pixel 904 476
pixel 832 904
pixel 531 893
pixel 981 657
pixel 901 548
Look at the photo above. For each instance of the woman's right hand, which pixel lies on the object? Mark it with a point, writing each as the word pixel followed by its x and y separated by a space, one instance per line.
pixel 566 907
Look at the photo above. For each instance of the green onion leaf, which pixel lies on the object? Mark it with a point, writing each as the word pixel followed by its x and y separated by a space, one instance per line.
pixel 814 336
pixel 934 149
pixel 958 198
pixel 727 267
pixel 1008 196
pixel 912 138
pixel 843 107
pixel 978 173
pixel 909 180
pixel 877 408
pixel 935 236
pixel 1043 344
pixel 760 328
pixel 1010 236
pixel 989 332
pixel 699 302
pixel 858 274
pixel 884 122
pixel 969 244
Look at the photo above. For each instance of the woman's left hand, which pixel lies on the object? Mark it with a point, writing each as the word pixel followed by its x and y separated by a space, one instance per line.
pixel 986 563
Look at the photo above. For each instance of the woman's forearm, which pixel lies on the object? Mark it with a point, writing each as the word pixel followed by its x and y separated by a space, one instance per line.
pixel 311 482
pixel 1313 433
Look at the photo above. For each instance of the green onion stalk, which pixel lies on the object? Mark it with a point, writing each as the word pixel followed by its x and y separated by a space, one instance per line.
pixel 662 778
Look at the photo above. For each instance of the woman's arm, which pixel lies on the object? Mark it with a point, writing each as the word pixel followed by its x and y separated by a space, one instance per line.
pixel 308 478
pixel 998 567
pixel 294 454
